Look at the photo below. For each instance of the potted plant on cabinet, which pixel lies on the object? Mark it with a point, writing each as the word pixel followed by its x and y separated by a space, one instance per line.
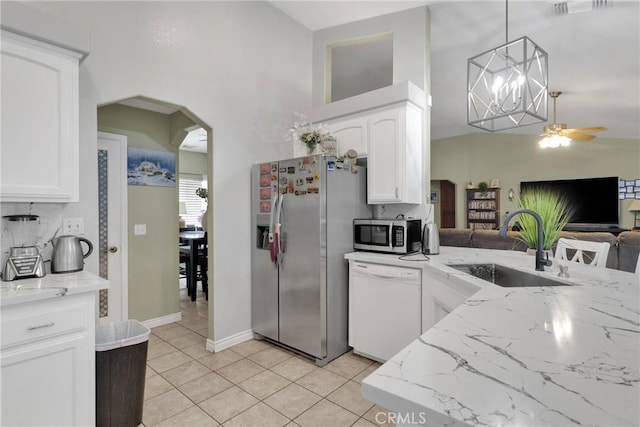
pixel 554 210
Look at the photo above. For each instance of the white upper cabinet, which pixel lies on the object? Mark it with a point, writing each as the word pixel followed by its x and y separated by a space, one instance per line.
pixel 350 134
pixel 394 169
pixel 39 156
pixel 386 126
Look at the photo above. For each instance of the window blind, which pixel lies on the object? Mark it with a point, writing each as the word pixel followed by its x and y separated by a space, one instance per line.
pixel 187 185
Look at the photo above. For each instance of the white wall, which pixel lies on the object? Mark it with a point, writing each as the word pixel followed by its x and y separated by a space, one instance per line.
pixel 242 67
pixel 411 41
pixel 411 30
pixel 191 162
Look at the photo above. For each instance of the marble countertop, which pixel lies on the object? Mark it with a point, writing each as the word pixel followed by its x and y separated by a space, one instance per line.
pixel 566 355
pixel 49 286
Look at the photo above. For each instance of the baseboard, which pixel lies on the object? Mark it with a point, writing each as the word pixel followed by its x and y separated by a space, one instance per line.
pixel 163 320
pixel 227 342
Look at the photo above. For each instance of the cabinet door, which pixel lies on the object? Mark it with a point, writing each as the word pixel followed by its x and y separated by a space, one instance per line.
pixel 48 384
pixel 385 160
pixel 39 122
pixel 412 173
pixel 47 362
pixel 440 296
pixel 351 134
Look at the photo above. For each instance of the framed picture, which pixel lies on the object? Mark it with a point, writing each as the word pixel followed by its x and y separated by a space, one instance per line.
pixel 495 183
pixel 433 197
pixel 151 167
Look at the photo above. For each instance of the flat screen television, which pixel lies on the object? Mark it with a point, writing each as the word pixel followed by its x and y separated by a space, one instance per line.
pixel 595 200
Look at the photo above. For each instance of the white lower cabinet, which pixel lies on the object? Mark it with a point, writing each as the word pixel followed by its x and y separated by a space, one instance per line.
pixel 391 306
pixel 384 309
pixel 441 296
pixel 47 363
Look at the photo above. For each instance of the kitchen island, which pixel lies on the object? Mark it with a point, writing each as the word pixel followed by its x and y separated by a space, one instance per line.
pixel 561 355
pixel 47 357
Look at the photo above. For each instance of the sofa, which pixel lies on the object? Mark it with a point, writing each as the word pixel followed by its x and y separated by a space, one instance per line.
pixel 623 249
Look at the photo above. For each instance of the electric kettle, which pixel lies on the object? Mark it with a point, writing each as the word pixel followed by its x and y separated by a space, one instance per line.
pixel 68 255
pixel 430 239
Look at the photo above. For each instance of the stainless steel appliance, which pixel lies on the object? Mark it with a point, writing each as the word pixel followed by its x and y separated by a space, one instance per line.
pixel 68 255
pixel 398 236
pixel 430 239
pixel 24 257
pixel 302 212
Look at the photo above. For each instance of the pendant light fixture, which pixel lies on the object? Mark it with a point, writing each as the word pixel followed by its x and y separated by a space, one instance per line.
pixel 507 85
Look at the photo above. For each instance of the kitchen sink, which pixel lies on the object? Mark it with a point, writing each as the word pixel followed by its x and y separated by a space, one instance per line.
pixel 505 276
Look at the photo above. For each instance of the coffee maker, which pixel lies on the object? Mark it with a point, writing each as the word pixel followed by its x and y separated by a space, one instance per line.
pixel 24 257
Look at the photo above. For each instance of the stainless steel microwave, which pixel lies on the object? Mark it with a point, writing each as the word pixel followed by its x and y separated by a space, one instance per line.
pixel 398 236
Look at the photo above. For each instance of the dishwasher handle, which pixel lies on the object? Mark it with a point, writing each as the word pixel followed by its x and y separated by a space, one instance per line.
pixel 380 276
pixel 385 272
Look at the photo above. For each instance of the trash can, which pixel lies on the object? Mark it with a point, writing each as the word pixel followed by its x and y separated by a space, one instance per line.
pixel 121 362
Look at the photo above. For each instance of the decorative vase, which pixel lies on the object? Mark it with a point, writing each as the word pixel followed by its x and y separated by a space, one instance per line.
pixel 328 145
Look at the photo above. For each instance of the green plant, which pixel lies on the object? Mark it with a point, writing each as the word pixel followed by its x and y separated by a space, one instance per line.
pixel 554 210
pixel 483 186
pixel 202 192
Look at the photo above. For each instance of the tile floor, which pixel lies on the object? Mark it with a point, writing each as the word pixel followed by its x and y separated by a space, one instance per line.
pixel 251 384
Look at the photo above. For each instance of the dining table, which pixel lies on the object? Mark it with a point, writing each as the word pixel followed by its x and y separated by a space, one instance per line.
pixel 194 239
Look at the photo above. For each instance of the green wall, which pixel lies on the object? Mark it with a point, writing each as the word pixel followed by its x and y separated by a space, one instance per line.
pixel 514 158
pixel 153 258
pixel 195 163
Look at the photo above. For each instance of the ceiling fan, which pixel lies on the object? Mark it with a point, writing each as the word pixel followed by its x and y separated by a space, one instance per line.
pixel 557 134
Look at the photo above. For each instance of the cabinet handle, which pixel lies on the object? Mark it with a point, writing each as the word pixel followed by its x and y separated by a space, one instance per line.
pixel 46 325
pixel 396 192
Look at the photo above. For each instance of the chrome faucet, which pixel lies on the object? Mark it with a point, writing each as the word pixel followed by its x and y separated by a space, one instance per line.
pixel 541 261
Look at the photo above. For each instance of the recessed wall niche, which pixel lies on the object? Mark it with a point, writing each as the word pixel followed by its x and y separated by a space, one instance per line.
pixel 358 66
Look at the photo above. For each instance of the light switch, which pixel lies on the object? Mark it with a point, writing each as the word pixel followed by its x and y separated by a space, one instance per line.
pixel 140 229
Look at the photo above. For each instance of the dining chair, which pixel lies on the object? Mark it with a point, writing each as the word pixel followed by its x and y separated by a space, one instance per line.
pixel 203 267
pixel 583 252
pixel 184 253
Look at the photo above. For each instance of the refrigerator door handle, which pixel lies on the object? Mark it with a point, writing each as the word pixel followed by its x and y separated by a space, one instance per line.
pixel 278 243
pixel 272 248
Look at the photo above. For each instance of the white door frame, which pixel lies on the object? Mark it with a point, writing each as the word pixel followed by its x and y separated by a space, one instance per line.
pixel 119 144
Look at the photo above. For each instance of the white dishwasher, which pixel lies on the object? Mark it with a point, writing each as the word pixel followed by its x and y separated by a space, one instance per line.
pixel 384 308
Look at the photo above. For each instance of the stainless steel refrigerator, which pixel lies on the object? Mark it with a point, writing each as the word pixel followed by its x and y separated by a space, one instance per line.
pixel 302 213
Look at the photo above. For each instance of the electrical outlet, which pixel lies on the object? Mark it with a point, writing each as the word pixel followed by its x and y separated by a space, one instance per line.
pixel 140 229
pixel 73 226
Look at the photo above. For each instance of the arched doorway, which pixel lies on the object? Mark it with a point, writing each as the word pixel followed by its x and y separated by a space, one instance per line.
pixel 151 280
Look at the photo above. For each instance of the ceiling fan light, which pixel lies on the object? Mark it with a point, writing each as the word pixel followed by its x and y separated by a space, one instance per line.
pixel 554 141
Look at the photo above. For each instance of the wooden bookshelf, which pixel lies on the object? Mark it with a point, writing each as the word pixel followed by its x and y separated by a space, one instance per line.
pixel 483 209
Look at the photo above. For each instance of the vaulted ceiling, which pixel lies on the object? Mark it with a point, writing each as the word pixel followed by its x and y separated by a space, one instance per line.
pixel 594 57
